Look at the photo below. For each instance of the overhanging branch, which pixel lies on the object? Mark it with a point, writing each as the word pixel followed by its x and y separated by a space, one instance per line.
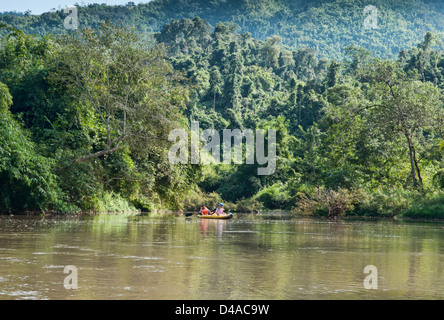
pixel 101 153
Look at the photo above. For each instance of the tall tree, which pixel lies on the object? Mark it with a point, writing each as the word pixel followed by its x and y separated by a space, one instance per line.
pixel 402 105
pixel 127 84
pixel 26 178
pixel 216 83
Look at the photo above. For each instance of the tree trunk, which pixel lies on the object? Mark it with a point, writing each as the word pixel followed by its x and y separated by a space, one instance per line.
pixel 412 160
pixel 214 101
pixel 417 168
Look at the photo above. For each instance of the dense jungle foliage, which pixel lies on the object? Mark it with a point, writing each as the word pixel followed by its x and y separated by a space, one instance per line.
pixel 326 26
pixel 358 113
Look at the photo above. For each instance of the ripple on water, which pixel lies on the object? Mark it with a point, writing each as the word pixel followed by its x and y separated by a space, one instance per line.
pixel 151 268
pixel 142 258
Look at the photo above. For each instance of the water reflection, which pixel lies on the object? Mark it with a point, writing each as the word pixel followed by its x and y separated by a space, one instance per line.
pixel 210 227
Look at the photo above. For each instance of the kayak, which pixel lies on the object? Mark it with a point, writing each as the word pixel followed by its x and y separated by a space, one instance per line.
pixel 214 216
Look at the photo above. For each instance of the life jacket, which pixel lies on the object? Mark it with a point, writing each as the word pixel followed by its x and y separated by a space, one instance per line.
pixel 204 211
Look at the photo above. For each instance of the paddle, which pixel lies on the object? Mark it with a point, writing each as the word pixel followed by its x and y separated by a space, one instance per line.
pixel 189 214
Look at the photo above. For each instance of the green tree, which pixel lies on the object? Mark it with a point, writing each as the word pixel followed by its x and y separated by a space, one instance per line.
pixel 402 105
pixel 27 181
pixel 126 84
pixel 216 83
pixel 333 74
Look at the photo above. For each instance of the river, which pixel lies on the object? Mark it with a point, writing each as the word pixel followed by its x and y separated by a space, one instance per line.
pixel 270 256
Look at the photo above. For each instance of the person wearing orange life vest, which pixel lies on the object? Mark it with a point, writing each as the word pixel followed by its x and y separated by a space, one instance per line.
pixel 204 211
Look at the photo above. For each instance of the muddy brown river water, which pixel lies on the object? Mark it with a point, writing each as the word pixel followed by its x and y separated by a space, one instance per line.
pixel 274 256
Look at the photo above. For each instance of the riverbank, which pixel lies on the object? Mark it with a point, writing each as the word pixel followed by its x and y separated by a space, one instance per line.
pixel 387 203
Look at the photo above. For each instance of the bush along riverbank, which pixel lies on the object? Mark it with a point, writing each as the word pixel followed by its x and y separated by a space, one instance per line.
pixel 388 203
pixel 332 203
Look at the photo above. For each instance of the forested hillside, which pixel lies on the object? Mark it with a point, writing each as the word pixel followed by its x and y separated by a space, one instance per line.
pixel 326 26
pixel 360 124
pixel 86 114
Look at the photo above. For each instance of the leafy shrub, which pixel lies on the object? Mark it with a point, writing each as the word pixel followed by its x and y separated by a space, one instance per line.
pixel 249 205
pixel 276 196
pixel 107 202
pixel 430 207
pixel 145 204
pixel 438 179
pixel 386 202
pixel 328 202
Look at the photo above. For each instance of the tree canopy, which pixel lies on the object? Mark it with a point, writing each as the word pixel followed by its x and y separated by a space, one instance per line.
pixel 324 25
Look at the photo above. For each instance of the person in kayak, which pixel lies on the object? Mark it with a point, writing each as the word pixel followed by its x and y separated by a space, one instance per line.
pixel 204 211
pixel 220 209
